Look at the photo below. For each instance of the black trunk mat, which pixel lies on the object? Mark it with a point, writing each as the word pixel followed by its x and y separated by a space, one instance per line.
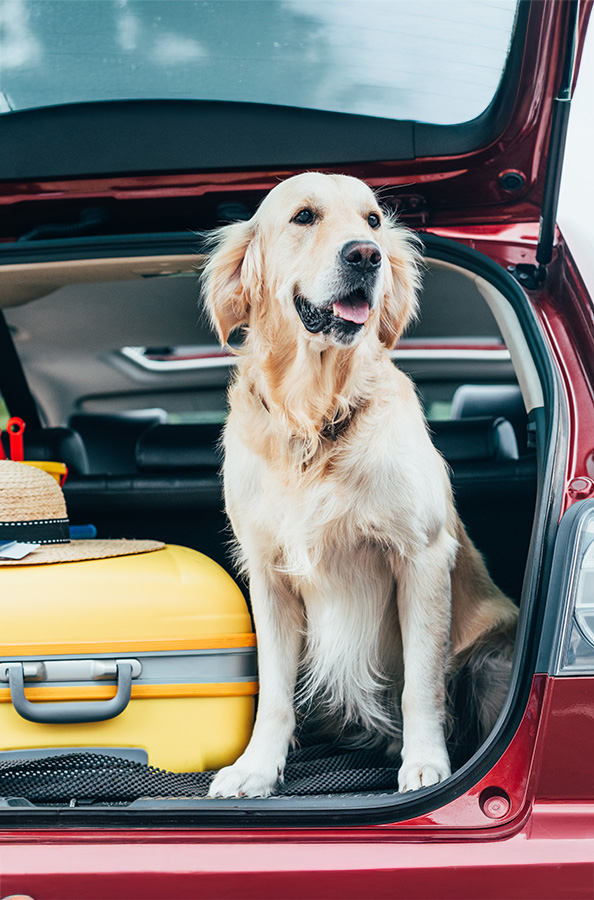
pixel 90 777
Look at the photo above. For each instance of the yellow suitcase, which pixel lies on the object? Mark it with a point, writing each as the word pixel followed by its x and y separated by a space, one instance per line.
pixel 150 655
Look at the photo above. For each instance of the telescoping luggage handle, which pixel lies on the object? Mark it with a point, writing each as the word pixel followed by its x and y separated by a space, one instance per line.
pixel 71 712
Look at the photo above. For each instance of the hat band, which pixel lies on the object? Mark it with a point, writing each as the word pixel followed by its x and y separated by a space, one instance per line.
pixel 37 531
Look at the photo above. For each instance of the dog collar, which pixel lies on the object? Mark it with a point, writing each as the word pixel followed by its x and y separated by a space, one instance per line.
pixel 333 429
pixel 330 430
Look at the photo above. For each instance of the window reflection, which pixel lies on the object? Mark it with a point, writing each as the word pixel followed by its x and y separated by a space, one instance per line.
pixel 431 60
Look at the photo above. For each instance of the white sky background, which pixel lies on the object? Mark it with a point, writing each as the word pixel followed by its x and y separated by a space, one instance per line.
pixel 576 203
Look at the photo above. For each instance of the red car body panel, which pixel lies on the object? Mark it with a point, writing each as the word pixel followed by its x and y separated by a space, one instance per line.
pixel 565 770
pixel 542 861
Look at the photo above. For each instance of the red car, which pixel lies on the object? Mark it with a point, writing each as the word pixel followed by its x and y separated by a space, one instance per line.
pixel 129 130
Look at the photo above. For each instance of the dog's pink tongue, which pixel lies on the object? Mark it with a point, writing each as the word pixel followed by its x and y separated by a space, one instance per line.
pixel 356 311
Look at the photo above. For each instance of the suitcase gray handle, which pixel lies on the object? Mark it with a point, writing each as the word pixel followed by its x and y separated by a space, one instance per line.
pixel 69 711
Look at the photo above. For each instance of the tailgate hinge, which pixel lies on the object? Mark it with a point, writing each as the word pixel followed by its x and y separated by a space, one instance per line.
pixel 529 276
pixel 410 207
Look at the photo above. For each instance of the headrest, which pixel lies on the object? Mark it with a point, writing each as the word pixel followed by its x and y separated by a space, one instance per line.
pixel 175 447
pixel 475 440
pixel 473 400
pixel 165 447
pixel 54 444
pixel 110 439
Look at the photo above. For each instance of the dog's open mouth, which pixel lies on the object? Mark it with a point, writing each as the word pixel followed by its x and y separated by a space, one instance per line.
pixel 351 311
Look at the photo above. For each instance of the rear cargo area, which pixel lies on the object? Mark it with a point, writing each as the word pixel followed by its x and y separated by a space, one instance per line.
pixel 131 387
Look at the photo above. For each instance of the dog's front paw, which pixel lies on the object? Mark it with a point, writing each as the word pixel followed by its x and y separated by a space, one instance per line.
pixel 241 780
pixel 416 774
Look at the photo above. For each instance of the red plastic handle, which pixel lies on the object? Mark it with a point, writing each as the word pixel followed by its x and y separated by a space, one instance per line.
pixel 2 453
pixel 15 428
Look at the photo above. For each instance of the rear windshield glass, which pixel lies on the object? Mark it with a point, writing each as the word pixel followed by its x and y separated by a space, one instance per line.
pixel 437 61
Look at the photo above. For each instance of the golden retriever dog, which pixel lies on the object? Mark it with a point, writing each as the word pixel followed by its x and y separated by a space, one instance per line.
pixel 368 596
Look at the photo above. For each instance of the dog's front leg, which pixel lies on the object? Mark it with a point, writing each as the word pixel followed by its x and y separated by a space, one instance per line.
pixel 278 618
pixel 424 605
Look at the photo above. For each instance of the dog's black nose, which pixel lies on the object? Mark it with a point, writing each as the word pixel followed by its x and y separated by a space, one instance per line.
pixel 361 255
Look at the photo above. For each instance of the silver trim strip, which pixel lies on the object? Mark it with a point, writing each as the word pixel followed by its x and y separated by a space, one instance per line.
pixel 455 354
pixel 210 667
pixel 135 355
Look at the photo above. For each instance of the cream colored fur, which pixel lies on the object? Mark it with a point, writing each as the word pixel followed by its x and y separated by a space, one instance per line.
pixel 361 575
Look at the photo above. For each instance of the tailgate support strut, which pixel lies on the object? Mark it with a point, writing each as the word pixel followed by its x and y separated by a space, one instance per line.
pixel 560 120
pixel 530 276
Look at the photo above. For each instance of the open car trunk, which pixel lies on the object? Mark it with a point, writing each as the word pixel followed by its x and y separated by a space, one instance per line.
pixel 87 317
pixel 102 338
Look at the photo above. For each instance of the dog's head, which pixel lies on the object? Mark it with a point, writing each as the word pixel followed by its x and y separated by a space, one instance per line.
pixel 320 255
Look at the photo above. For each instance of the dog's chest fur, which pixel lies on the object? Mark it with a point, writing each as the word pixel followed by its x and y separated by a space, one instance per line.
pixel 333 535
pixel 370 488
pixel 329 543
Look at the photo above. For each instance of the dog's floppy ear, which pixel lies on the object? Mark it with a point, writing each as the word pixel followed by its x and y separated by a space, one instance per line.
pixel 402 282
pixel 231 278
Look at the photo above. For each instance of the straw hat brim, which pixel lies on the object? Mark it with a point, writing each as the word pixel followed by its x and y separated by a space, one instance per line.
pixel 77 551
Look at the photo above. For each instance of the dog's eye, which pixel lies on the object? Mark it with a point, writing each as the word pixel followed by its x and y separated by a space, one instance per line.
pixel 373 220
pixel 305 217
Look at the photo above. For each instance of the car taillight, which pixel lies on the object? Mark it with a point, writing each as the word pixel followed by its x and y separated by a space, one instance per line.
pixel 576 646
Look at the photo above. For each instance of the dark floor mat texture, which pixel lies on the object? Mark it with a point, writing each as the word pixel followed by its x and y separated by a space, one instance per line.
pixel 90 777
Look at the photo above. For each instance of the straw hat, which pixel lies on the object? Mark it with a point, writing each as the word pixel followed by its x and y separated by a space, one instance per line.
pixel 33 511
